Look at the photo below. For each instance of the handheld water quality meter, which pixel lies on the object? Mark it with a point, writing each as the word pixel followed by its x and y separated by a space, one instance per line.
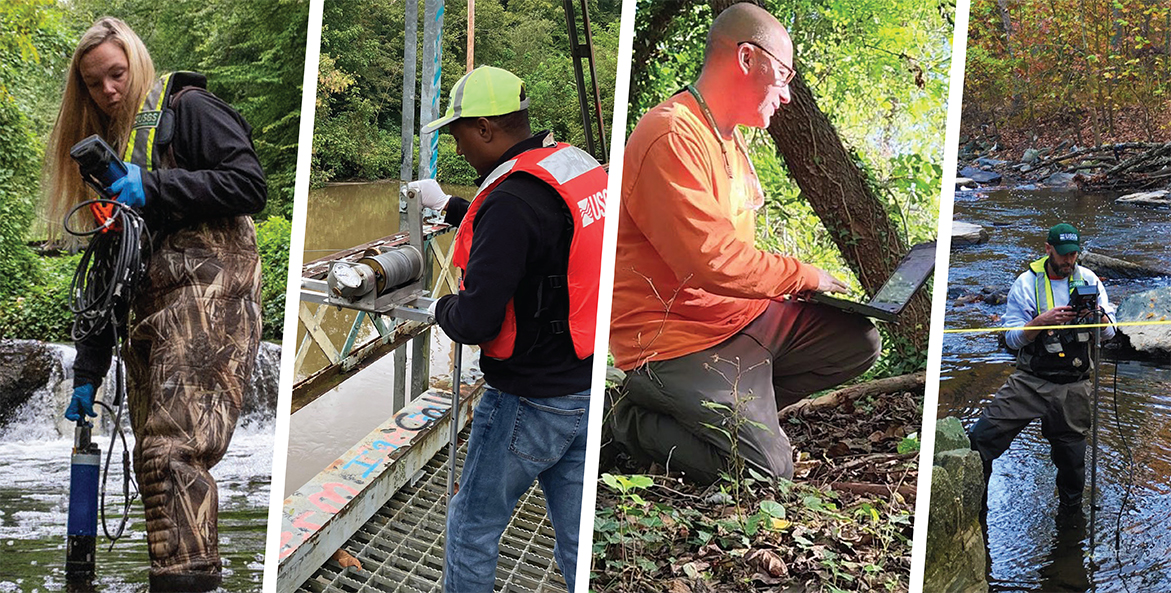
pixel 1083 299
pixel 100 165
pixel 100 168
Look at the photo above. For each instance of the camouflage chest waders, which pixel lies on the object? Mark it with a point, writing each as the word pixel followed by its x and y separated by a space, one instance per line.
pixel 189 354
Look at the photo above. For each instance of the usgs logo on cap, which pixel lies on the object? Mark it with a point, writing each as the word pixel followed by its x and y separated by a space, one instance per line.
pixel 1068 237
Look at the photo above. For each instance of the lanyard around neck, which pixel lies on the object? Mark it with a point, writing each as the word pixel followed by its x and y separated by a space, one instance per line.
pixel 711 121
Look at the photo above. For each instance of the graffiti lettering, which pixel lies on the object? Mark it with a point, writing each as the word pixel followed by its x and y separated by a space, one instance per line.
pixel 384 445
pixel 300 523
pixel 361 460
pixel 286 549
pixel 329 490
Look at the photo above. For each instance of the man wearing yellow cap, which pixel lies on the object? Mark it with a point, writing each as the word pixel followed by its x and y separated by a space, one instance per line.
pixel 529 247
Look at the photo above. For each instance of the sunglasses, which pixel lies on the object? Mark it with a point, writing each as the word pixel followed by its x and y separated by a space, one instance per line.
pixel 782 74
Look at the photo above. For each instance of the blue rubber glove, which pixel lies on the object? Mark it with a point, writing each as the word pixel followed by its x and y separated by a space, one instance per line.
pixel 129 188
pixel 83 401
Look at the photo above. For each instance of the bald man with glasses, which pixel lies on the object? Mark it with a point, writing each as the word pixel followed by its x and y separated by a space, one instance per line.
pixel 700 322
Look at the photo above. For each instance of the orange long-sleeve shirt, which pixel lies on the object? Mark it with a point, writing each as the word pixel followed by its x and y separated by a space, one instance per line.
pixel 687 274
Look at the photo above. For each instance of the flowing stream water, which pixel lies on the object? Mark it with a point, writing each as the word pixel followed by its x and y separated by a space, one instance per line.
pixel 35 449
pixel 1027 551
pixel 341 216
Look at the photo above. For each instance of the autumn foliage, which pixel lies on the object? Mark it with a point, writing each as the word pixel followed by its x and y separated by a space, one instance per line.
pixel 1087 71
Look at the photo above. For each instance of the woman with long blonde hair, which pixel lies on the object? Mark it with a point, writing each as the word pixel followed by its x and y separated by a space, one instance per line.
pixel 193 329
pixel 107 111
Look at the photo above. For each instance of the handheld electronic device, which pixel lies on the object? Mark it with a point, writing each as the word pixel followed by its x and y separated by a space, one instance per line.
pixel 100 165
pixel 1083 299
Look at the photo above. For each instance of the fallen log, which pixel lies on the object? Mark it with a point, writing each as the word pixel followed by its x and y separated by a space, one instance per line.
pixel 1113 268
pixel 912 382
pixel 1110 148
pixel 1140 159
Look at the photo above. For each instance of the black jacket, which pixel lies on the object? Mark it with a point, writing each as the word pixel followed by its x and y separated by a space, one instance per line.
pixel 218 174
pixel 522 235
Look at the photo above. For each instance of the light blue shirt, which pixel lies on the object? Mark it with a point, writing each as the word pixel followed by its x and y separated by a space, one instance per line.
pixel 1022 304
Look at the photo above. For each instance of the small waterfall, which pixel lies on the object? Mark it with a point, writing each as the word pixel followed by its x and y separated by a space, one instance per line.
pixel 36 383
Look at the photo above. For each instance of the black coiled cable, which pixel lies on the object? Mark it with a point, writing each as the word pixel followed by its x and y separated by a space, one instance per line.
pixel 99 296
pixel 109 269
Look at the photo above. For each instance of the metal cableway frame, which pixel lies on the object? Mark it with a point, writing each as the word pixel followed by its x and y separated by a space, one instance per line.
pixel 384 500
pixel 579 52
pixel 391 482
pixel 351 356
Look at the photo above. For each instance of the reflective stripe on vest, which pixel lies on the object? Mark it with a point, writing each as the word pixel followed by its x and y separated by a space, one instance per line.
pixel 1041 279
pixel 140 147
pixel 581 183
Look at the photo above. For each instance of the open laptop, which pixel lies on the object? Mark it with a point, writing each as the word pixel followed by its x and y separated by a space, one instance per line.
pixel 893 297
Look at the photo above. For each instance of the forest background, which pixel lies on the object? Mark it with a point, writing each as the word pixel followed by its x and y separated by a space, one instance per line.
pixel 358 122
pixel 1087 72
pixel 253 54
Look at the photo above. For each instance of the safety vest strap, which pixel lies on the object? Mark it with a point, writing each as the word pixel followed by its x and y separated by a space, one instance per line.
pixel 1041 283
pixel 140 148
pixel 1042 287
pixel 154 124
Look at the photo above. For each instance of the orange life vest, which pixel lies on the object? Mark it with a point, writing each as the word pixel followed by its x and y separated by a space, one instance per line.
pixel 581 183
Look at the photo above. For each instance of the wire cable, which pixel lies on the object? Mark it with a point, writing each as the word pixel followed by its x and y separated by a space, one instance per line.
pixel 109 269
pixel 99 297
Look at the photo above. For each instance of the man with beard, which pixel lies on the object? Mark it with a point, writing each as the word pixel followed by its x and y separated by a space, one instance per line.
pixel 1053 366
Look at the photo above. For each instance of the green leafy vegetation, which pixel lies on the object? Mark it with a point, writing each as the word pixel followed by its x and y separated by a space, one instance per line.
pixel 31 41
pixel 253 54
pixel 40 310
pixel 358 124
pixel 676 540
pixel 272 240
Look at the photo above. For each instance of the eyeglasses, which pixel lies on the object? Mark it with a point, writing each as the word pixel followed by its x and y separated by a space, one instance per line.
pixel 782 74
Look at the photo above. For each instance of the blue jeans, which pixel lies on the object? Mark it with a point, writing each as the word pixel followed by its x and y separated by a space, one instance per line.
pixel 515 440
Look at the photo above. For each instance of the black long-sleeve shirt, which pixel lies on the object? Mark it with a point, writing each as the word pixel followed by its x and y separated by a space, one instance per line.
pixel 522 235
pixel 217 174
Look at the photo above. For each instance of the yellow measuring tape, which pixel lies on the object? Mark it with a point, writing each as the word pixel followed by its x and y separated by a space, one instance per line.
pixel 1031 327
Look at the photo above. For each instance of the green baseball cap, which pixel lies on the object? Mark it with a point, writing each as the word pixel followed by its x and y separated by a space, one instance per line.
pixel 1063 238
pixel 483 92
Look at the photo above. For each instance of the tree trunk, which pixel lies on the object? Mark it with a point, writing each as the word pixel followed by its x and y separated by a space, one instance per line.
pixel 841 195
pixel 838 189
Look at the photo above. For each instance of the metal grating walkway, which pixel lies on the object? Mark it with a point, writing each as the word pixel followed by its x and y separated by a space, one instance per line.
pixel 401 546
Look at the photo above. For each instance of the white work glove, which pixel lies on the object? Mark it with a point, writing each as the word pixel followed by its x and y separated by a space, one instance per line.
pixel 430 193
